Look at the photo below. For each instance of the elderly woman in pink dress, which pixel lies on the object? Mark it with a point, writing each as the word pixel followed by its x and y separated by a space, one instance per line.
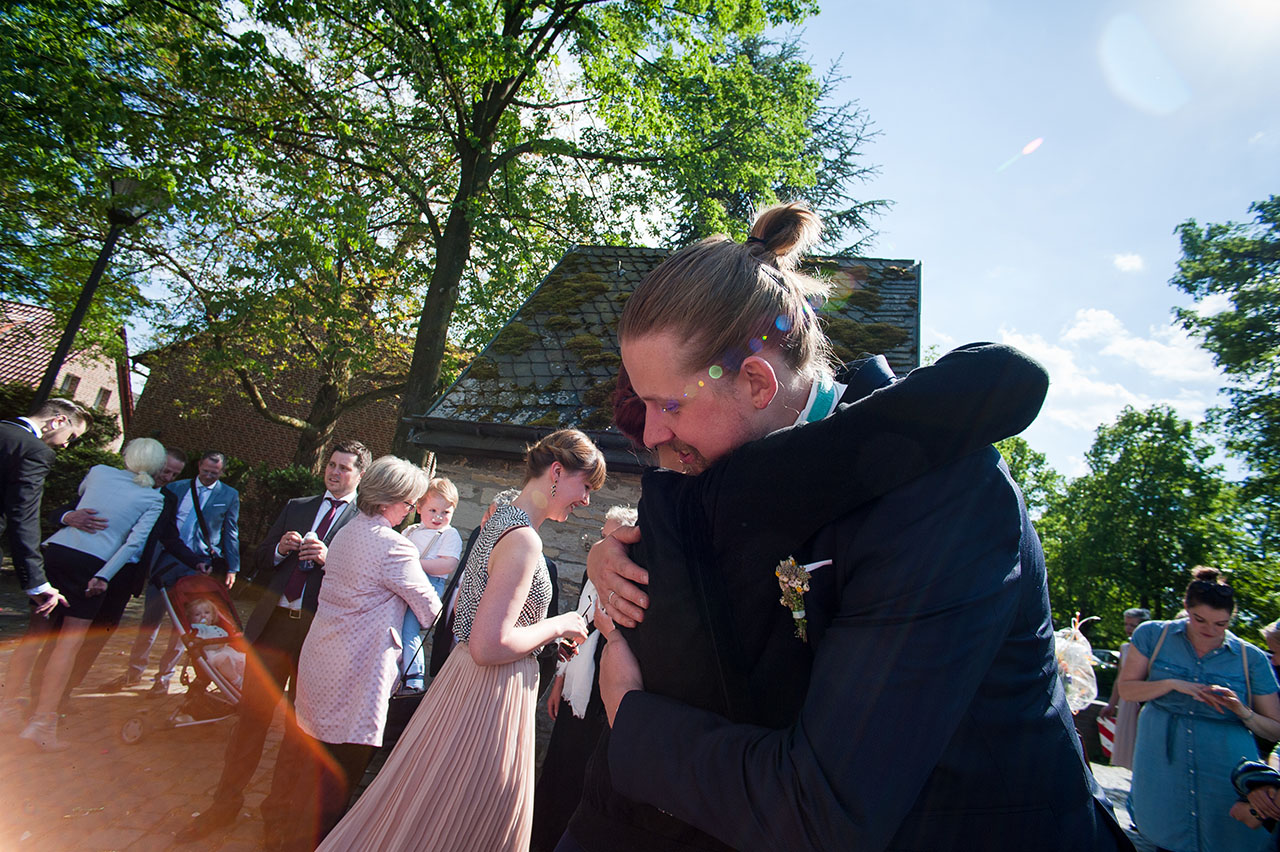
pixel 349 662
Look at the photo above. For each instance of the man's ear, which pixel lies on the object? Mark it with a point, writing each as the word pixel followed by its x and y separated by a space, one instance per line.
pixel 759 381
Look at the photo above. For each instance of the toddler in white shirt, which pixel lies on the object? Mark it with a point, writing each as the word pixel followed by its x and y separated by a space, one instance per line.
pixel 439 547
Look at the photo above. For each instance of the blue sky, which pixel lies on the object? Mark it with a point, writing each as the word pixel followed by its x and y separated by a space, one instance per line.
pixel 1150 113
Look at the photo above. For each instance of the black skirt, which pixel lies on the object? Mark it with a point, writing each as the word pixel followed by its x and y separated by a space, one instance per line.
pixel 69 571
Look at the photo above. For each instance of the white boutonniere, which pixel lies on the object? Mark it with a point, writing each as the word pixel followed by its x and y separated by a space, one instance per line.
pixel 794 580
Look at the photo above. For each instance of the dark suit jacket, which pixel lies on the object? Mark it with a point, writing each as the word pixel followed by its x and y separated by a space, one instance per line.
pixel 297 515
pixel 177 558
pixel 549 654
pixel 924 712
pixel 24 463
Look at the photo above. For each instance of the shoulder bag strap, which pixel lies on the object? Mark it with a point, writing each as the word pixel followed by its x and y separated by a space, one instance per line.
pixel 1156 650
pixel 1244 658
pixel 204 527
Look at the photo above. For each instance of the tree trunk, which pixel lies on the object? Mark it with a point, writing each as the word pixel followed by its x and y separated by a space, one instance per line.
pixel 322 419
pixel 452 253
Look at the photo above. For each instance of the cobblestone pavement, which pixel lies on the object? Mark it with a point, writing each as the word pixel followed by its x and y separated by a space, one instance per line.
pixel 106 795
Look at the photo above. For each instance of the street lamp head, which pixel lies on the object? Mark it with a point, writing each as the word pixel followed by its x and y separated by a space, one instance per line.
pixel 132 199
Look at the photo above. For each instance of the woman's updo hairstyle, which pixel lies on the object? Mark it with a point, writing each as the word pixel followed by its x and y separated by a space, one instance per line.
pixel 1209 589
pixel 143 457
pixel 730 300
pixel 573 450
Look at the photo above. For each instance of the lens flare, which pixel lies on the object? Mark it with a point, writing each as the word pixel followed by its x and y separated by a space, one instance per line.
pixel 715 372
pixel 1028 148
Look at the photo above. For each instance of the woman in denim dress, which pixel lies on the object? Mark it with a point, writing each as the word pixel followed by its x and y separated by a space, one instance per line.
pixel 1207 693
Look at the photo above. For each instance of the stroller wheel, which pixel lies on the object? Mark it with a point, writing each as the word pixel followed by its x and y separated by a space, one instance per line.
pixel 133 730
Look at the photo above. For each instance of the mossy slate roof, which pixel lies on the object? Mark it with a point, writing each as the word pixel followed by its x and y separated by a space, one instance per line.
pixel 555 362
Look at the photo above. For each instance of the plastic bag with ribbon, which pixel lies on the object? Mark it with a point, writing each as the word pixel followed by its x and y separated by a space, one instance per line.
pixel 1075 664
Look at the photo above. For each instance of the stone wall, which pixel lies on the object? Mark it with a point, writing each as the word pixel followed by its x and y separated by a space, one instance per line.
pixel 478 480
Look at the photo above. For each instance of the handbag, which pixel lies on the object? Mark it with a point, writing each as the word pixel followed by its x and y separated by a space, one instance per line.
pixel 401 707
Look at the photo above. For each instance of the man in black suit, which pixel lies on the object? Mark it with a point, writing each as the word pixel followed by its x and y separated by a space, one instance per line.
pixel 293 562
pixel 26 454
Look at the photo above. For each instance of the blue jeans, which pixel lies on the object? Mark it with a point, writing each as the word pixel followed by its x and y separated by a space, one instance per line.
pixel 413 660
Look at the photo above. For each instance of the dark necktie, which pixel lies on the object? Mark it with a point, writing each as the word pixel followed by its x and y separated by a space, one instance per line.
pixel 298 579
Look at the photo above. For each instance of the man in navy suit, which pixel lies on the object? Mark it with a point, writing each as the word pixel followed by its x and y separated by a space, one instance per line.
pixel 294 568
pixel 920 708
pixel 208 536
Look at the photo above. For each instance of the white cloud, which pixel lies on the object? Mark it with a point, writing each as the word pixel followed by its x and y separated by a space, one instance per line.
pixel 1129 262
pixel 1167 353
pixel 940 338
pixel 1097 367
pixel 1094 324
pixel 1076 399
pixel 1257 137
pixel 1214 303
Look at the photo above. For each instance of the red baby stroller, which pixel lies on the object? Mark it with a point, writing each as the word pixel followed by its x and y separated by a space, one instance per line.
pixel 211 695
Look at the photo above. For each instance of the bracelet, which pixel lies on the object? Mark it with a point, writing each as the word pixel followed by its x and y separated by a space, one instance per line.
pixel 1250 716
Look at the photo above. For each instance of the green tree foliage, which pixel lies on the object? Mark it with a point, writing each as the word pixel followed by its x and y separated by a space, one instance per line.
pixel 1128 532
pixel 1239 263
pixel 506 132
pixel 352 175
pixel 92 91
pixel 1039 482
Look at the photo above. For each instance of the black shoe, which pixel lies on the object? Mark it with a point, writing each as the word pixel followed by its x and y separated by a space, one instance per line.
pixel 123 682
pixel 159 689
pixel 219 815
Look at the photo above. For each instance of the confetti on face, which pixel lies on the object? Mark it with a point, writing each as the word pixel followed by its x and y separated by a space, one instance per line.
pixel 715 372
pixel 701 383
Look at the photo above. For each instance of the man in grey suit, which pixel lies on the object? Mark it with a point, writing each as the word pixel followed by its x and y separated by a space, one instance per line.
pixel 293 563
pixel 208 522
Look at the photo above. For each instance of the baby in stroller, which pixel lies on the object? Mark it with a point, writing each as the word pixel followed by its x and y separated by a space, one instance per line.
pixel 203 618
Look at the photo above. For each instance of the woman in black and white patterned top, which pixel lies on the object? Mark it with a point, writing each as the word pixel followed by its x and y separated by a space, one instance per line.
pixel 461 776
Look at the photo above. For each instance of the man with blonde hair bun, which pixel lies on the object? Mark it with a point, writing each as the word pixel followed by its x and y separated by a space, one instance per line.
pixel 902 693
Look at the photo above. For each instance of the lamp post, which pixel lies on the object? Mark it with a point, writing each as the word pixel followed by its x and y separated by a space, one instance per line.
pixel 130 203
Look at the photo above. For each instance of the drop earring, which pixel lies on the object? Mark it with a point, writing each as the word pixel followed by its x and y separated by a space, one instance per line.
pixel 553 487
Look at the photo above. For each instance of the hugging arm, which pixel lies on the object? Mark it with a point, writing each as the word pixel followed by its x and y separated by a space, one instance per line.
pixel 135 542
pixel 837 778
pixel 971 397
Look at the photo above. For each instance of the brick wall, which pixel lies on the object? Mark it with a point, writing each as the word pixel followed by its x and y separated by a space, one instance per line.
pixel 181 406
